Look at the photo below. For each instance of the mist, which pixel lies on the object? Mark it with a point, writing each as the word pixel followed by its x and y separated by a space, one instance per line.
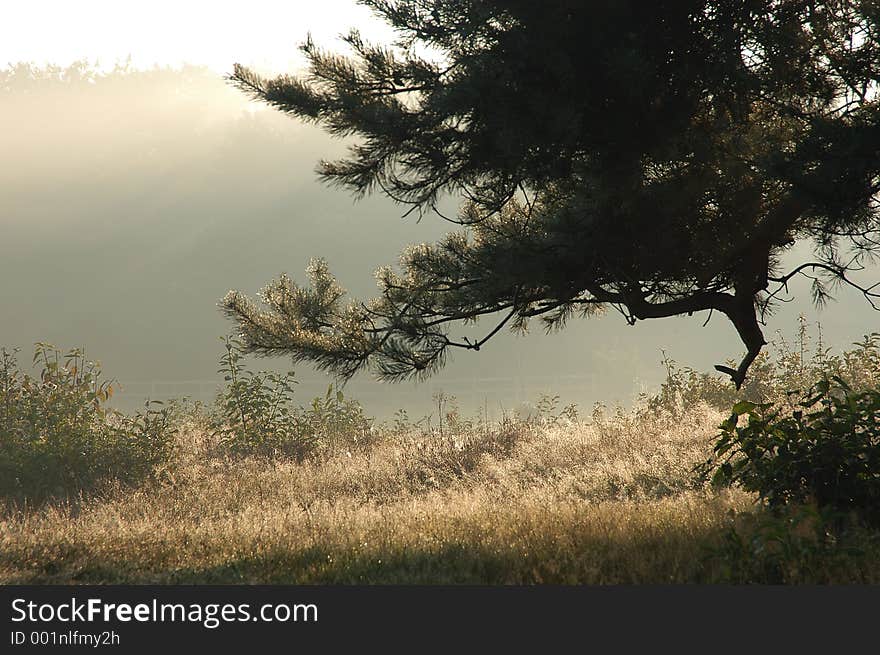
pixel 131 201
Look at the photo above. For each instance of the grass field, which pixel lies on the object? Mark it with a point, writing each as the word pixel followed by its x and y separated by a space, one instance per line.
pixel 607 500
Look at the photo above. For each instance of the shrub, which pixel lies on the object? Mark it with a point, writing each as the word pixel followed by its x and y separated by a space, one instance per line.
pixel 57 435
pixel 826 450
pixel 334 420
pixel 255 412
pixel 773 374
pixel 794 545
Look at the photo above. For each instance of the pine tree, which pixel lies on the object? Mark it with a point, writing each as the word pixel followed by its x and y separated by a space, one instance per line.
pixel 656 158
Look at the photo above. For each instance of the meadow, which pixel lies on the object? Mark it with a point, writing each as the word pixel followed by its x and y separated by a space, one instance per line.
pixel 553 497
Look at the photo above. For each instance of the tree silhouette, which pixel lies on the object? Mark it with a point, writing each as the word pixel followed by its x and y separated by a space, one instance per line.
pixel 658 158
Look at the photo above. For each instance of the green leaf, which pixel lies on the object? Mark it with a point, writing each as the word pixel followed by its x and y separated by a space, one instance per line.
pixel 743 407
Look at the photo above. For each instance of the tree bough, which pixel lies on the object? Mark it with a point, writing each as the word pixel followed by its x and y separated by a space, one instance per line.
pixel 659 159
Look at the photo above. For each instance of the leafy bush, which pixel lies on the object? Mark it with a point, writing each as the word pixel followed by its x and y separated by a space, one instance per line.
pixel 784 367
pixel 334 420
pixel 826 450
pixel 57 435
pixel 796 544
pixel 255 412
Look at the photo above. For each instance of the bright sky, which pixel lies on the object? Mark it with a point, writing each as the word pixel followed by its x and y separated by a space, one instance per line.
pixel 216 33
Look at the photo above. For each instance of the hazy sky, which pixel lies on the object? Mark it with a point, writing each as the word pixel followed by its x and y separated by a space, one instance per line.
pixel 129 206
pixel 215 33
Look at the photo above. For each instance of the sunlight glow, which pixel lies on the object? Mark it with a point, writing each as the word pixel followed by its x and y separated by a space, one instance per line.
pixel 260 33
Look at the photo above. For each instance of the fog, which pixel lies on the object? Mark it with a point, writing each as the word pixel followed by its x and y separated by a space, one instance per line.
pixel 131 201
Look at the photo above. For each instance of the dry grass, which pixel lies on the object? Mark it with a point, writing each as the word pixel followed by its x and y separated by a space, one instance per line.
pixel 606 501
